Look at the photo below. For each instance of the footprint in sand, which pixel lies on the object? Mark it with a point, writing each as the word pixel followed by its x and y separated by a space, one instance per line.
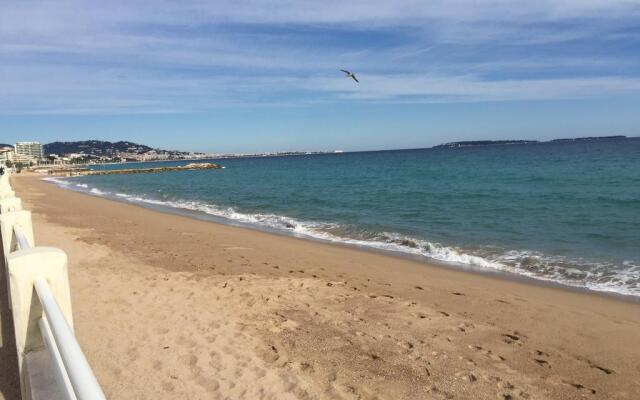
pixel 209 384
pixel 270 354
pixel 419 315
pixel 259 372
pixel 162 331
pixel 465 327
pixel 542 362
pixel 513 338
pixel 211 338
pixel 168 386
pixel 439 393
pixel 189 359
pixel 467 376
pixel 603 369
pixel 593 365
pixel 488 353
pixel 580 387
pixel 540 358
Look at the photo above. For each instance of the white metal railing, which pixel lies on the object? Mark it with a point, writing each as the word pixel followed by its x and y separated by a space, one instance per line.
pixel 42 269
pixel 23 243
pixel 62 378
pixel 58 332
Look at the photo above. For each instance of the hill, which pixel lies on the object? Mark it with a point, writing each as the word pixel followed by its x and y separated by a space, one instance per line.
pixel 5 145
pixel 95 147
pixel 473 143
pixel 590 139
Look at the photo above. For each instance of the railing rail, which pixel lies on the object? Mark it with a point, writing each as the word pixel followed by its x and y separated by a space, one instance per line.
pixel 85 385
pixel 62 378
pixel 42 269
pixel 21 238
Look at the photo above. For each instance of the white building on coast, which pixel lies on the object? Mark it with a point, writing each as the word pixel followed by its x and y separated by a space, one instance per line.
pixel 28 152
pixel 33 149
pixel 6 153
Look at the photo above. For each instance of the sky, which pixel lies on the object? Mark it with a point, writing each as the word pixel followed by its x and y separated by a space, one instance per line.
pixel 249 76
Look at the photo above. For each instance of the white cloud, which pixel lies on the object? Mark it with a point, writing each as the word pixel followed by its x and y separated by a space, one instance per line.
pixel 52 16
pixel 71 90
pixel 157 55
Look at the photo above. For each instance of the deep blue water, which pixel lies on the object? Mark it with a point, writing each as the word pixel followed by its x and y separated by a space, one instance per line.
pixel 567 212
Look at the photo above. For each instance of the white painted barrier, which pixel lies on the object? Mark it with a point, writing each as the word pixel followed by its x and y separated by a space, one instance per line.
pixel 10 204
pixel 51 363
pixel 8 221
pixel 7 194
pixel 4 182
pixel 5 188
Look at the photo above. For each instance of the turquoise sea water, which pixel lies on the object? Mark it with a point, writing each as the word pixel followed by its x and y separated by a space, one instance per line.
pixel 565 212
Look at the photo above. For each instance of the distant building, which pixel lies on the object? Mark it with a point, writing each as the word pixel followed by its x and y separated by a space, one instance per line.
pixel 24 159
pixel 29 151
pixel 6 154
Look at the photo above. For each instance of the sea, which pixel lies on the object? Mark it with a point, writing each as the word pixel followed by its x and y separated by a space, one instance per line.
pixel 564 212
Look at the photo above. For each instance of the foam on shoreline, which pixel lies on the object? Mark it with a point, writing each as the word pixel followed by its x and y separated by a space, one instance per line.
pixel 597 276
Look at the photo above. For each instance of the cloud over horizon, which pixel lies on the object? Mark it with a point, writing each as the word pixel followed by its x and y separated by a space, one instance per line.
pixel 120 57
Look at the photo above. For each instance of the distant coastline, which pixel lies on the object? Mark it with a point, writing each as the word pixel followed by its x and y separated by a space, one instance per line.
pixel 476 143
pixel 95 152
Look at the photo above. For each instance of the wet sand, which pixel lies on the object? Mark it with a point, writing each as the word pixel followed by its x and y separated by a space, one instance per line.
pixel 166 306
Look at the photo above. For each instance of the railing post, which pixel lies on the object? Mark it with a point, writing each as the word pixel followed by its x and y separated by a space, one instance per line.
pixel 4 181
pixel 10 204
pixel 24 266
pixel 8 220
pixel 5 187
pixel 7 194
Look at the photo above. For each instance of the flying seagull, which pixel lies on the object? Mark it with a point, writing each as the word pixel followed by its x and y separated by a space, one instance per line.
pixel 350 75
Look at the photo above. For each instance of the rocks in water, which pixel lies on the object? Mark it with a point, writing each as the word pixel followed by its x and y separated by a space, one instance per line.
pixel 201 166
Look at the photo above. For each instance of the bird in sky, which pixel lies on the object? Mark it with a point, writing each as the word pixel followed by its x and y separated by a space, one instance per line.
pixel 350 75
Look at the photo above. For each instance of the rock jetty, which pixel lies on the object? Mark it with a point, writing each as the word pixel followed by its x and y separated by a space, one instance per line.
pixel 188 167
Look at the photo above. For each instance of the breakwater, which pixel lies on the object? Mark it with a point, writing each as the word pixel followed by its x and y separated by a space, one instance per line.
pixel 83 172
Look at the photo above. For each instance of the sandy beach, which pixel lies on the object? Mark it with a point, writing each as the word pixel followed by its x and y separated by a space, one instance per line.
pixel 170 307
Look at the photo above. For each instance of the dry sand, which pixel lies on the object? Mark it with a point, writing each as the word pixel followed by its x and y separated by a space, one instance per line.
pixel 169 307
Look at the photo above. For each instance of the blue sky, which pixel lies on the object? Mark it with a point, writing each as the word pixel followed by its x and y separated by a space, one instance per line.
pixel 241 76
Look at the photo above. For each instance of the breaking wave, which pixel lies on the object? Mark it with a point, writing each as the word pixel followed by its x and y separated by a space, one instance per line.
pixel 598 276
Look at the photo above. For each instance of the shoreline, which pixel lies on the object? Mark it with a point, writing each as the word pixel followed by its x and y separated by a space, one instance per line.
pixel 167 306
pixel 427 261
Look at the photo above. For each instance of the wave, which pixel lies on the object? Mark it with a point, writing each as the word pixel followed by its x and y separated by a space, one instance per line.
pixel 66 183
pixel 97 191
pixel 598 276
pixel 58 181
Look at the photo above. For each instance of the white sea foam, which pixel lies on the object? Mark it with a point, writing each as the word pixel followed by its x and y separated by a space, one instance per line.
pixel 578 273
pixel 97 191
pixel 58 181
pixel 531 264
